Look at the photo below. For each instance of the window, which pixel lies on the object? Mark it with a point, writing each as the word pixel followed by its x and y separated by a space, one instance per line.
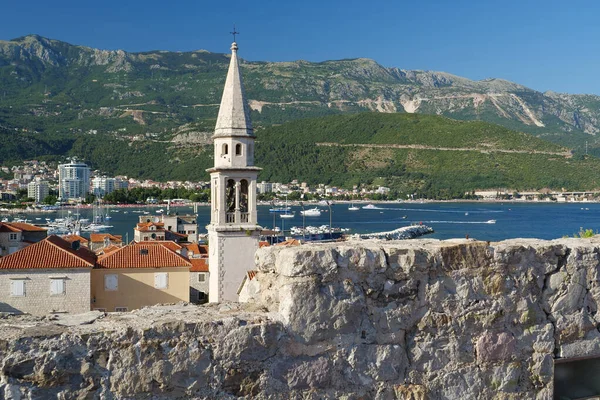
pixel 201 296
pixel 17 287
pixel 225 149
pixel 57 286
pixel 121 309
pixel 238 149
pixel 161 280
pixel 201 277
pixel 12 237
pixel 111 282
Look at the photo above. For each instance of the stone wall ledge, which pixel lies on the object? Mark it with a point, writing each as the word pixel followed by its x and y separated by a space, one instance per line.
pixel 422 319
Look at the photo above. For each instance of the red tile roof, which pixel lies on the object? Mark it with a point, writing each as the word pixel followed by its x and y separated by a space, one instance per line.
pixel 199 264
pixel 5 227
pixel 169 244
pixel 27 227
pixel 141 256
pixel 251 274
pixel 72 238
pixel 107 249
pixel 99 237
pixel 263 244
pixel 196 248
pixel 289 242
pixel 52 252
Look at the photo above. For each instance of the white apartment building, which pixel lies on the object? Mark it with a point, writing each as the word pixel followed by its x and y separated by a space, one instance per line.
pixel 38 190
pixel 101 186
pixel 73 180
pixel 264 187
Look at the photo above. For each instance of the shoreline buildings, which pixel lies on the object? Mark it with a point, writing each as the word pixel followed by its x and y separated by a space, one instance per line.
pixel 73 181
pixel 233 232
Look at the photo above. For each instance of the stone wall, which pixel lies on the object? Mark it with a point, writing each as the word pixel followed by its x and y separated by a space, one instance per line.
pixel 37 299
pixel 423 319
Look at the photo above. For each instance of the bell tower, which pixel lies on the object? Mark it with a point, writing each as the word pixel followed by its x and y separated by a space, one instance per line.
pixel 233 232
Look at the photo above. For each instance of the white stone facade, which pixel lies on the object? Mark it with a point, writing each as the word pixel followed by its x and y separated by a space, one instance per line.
pixel 199 284
pixel 233 232
pixel 37 299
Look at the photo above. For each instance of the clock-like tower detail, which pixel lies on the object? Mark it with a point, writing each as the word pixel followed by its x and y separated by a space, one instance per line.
pixel 233 233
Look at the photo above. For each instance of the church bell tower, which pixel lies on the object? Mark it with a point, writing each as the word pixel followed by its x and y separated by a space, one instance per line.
pixel 233 233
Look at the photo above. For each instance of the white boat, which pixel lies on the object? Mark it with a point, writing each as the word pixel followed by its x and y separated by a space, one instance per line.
pixel 491 221
pixel 287 215
pixel 353 207
pixel 159 211
pixel 313 212
pixel 370 207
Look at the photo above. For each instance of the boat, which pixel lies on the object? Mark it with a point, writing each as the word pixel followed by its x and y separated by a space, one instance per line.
pixel 353 207
pixel 287 213
pixel 467 213
pixel 312 212
pixel 369 207
pixel 280 209
pixel 159 211
pixel 490 221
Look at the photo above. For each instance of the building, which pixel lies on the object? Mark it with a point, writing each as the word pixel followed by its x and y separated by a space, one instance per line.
pixel 99 241
pixel 147 231
pixel 181 224
pixel 102 186
pixel 265 187
pixel 199 273
pixel 17 235
pixel 38 190
pixel 233 232
pixel 73 181
pixel 139 275
pixel 52 275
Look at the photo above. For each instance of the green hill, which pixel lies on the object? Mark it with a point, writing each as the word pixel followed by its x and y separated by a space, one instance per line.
pixel 431 155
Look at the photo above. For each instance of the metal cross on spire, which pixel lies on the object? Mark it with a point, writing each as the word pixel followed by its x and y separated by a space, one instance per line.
pixel 234 32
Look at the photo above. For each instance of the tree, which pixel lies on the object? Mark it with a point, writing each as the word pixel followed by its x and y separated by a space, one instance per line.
pixel 50 199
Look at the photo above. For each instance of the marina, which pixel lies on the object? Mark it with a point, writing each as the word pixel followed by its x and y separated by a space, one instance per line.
pixel 484 221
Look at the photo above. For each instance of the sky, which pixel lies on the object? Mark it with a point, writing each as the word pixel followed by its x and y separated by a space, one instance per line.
pixel 545 45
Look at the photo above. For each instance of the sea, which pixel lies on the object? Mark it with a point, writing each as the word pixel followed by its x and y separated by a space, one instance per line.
pixel 482 221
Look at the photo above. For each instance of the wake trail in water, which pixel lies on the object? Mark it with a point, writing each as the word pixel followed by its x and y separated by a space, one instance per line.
pixel 438 211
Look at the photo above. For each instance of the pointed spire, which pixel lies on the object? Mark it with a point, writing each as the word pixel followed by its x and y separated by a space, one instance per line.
pixel 234 114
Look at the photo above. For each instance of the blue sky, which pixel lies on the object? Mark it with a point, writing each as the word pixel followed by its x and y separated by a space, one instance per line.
pixel 546 45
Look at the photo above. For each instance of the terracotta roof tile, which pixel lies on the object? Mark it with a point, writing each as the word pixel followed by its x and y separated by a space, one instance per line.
pixel 199 264
pixel 107 249
pixel 99 237
pixel 169 244
pixel 52 252
pixel 27 227
pixel 196 248
pixel 289 242
pixel 263 244
pixel 141 256
pixel 4 227
pixel 251 274
pixel 72 238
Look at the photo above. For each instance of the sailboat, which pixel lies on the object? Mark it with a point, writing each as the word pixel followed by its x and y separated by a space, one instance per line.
pixel 286 214
pixel 353 207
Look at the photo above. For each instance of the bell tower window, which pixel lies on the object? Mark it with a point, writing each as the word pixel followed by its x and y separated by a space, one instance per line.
pixel 225 150
pixel 244 196
pixel 238 149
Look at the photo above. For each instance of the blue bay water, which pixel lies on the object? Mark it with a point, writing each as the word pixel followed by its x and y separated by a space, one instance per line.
pixel 449 220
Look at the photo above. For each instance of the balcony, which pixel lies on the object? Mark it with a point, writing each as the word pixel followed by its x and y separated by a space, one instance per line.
pixel 244 217
pixel 230 218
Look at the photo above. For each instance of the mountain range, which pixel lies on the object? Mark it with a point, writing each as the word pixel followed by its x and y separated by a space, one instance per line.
pixel 62 99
